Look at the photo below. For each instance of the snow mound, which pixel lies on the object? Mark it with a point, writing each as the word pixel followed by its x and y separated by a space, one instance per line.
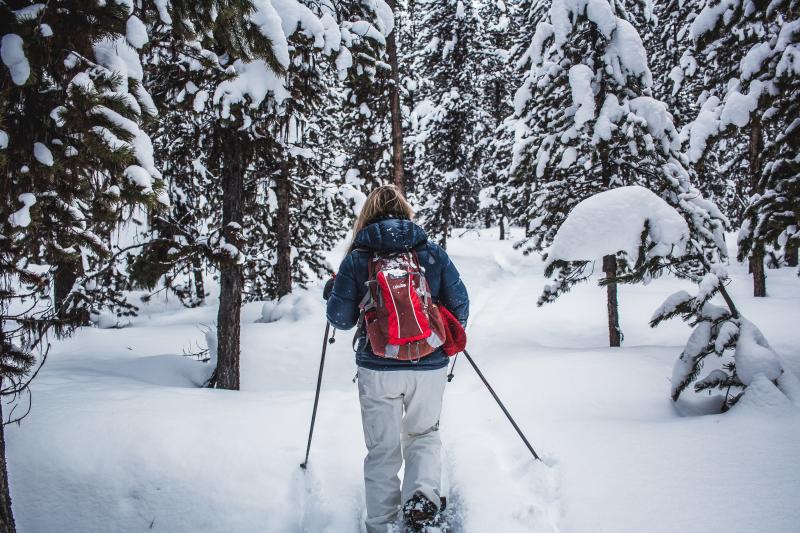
pixel 789 384
pixel 703 127
pixel 292 307
pixel 139 176
pixel 672 303
pixel 754 356
pixel 762 395
pixel 613 221
pixel 163 370
pixel 626 54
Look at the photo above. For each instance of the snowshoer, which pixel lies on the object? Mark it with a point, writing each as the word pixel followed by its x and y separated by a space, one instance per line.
pixel 400 382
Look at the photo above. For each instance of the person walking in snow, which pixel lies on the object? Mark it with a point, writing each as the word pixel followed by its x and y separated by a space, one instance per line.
pixel 401 373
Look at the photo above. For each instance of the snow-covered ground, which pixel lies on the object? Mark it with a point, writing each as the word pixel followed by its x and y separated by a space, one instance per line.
pixel 120 439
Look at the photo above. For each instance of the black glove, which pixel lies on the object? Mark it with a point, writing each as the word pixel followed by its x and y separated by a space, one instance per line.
pixel 326 292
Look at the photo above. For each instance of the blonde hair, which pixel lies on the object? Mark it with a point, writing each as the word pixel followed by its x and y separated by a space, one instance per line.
pixel 384 202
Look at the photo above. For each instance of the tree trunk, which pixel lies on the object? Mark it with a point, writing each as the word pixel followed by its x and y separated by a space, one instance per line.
pixel 6 514
pixel 759 274
pixel 791 254
pixel 283 267
pixel 614 332
pixel 63 280
pixel 446 211
pixel 64 277
pixel 398 175
pixel 226 375
pixel 503 211
pixel 757 257
pixel 609 261
pixel 199 284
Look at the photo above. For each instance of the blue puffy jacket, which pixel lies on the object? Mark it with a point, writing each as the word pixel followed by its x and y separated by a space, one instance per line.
pixel 350 286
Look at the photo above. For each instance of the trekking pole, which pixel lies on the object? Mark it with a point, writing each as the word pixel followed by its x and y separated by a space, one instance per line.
pixel 503 407
pixel 325 342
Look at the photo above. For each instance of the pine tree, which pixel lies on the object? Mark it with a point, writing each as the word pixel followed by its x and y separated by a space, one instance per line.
pixel 664 28
pixel 250 164
pixel 300 212
pixel 182 76
pixel 449 118
pixel 614 133
pixel 407 29
pixel 395 108
pixel 495 75
pixel 240 56
pixel 366 78
pixel 743 354
pixel 516 187
pixel 736 47
pixel 72 156
pixel 772 216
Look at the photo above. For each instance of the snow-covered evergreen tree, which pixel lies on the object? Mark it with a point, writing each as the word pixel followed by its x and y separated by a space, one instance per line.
pixel 407 28
pixel 742 56
pixel 495 75
pixel 74 152
pixel 744 357
pixel 289 178
pixel 637 224
pixel 613 134
pixel 182 74
pixel 72 155
pixel 252 155
pixel 516 188
pixel 301 213
pixel 366 75
pixel 448 117
pixel 771 70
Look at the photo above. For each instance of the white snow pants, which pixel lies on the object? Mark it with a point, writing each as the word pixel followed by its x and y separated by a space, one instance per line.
pixel 390 437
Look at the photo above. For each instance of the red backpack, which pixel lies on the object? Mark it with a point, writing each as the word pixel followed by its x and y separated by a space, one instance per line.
pixel 401 319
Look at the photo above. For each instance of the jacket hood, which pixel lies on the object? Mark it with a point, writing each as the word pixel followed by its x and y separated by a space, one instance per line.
pixel 392 234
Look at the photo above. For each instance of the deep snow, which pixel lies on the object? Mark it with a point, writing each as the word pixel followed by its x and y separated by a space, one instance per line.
pixel 121 440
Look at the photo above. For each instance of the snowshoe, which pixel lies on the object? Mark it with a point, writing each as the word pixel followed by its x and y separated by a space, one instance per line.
pixel 421 515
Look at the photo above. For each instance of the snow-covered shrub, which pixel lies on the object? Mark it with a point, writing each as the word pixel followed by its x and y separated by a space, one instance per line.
pixel 743 355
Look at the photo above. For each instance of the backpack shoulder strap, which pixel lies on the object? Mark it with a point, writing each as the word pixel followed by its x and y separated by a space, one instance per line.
pixel 371 265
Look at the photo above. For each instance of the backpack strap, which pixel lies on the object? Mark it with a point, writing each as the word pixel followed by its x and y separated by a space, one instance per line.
pixel 370 268
pixel 360 325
